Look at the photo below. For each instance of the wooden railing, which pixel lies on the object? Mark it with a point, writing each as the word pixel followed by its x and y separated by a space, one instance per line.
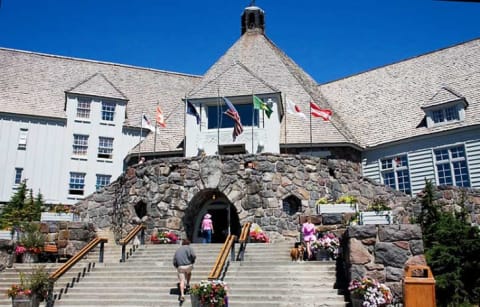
pixel 243 240
pixel 222 262
pixel 70 263
pixel 124 242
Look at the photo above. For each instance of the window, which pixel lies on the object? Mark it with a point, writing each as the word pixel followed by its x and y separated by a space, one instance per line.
pixel 102 180
pixel 18 175
pixel 217 118
pixel 108 111
pixel 83 108
pixel 22 139
pixel 451 165
pixel 444 115
pixel 77 183
pixel 105 147
pixel 395 173
pixel 291 205
pixel 80 144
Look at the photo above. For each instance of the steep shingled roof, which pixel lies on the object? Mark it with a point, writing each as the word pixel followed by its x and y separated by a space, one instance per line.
pixel 385 104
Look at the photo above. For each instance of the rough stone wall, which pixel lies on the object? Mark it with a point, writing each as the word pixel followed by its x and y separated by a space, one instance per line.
pixel 383 252
pixel 255 185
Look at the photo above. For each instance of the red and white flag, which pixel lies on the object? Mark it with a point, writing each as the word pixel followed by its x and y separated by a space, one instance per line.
pixel 160 118
pixel 292 108
pixel 316 111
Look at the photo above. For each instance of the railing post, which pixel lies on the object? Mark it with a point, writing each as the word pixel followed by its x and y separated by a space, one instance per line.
pixel 102 248
pixel 123 253
pixel 142 237
pixel 232 253
pixel 50 293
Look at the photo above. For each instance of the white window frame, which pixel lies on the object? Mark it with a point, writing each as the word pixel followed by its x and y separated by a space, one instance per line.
pixel 22 139
pixel 80 145
pixel 83 108
pixel 108 111
pixel 18 176
pixel 448 113
pixel 105 147
pixel 76 184
pixel 451 162
pixel 396 165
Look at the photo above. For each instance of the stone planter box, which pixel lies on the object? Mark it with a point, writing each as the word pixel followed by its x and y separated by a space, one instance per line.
pixel 25 301
pixel 56 217
pixel 376 218
pixel 336 208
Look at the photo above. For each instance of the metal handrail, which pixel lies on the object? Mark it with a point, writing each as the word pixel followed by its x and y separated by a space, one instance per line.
pixel 129 237
pixel 70 263
pixel 221 264
pixel 243 240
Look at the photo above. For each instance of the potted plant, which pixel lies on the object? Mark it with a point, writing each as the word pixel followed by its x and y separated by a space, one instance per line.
pixel 31 243
pixel 257 235
pixel 378 212
pixel 326 246
pixel 32 289
pixel 164 237
pixel 369 292
pixel 209 293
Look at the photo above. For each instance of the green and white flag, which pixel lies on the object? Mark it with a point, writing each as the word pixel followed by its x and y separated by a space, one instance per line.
pixel 260 105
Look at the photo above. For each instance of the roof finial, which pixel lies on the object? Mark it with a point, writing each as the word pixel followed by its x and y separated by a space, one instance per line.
pixel 252 2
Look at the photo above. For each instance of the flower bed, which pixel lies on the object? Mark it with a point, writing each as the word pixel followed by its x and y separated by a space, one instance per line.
pixel 164 237
pixel 329 242
pixel 257 235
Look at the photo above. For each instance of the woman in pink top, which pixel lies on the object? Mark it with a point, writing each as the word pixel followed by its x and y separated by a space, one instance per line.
pixel 207 228
pixel 308 232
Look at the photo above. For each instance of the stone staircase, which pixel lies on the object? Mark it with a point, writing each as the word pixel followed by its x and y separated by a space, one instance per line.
pixel 267 277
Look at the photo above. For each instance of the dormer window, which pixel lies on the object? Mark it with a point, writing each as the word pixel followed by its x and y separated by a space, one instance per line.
pixel 445 107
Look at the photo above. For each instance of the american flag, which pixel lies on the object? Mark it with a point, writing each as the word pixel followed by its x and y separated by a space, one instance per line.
pixel 316 111
pixel 233 114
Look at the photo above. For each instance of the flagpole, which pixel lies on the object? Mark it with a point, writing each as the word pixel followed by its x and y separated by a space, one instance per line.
pixel 218 118
pixel 285 110
pixel 140 136
pixel 155 137
pixel 310 107
pixel 253 120
pixel 185 128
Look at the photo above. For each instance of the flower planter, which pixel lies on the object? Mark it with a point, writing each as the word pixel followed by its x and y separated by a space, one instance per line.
pixel 322 254
pixel 55 217
pixel 29 257
pixel 376 217
pixel 357 302
pixel 195 301
pixel 25 301
pixel 336 208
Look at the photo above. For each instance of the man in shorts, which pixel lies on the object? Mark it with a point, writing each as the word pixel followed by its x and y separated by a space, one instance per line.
pixel 183 260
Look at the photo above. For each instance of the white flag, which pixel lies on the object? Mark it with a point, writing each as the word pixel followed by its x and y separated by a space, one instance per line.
pixel 292 108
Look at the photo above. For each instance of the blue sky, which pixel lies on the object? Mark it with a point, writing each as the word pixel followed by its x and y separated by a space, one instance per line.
pixel 328 39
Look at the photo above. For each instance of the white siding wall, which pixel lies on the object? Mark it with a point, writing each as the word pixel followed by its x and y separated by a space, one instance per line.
pixel 421 160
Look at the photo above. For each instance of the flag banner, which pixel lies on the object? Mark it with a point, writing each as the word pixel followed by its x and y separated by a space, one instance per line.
pixel 292 108
pixel 260 105
pixel 233 114
pixel 160 118
pixel 147 124
pixel 192 111
pixel 316 111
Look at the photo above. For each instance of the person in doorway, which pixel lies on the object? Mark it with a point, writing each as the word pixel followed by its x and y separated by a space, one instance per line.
pixel 308 233
pixel 207 228
pixel 183 261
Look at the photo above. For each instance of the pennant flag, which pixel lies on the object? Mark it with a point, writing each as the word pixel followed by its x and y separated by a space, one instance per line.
pixel 316 111
pixel 192 111
pixel 160 118
pixel 146 123
pixel 260 105
pixel 292 108
pixel 233 114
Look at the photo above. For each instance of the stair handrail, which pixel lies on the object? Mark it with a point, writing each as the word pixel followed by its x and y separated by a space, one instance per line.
pixel 129 237
pixel 54 276
pixel 222 262
pixel 243 240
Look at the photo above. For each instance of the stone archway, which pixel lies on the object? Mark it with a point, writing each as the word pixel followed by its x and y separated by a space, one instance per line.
pixel 224 216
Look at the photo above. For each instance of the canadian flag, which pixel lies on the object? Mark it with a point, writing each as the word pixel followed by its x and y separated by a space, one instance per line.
pixel 316 111
pixel 160 118
pixel 292 108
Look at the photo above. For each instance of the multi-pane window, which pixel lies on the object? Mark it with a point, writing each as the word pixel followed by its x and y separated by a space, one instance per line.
pixel 105 147
pixel 80 144
pixel 451 164
pixel 445 115
pixel 18 175
pixel 218 119
pixel 395 173
pixel 22 139
pixel 108 111
pixel 102 180
pixel 83 108
pixel 77 183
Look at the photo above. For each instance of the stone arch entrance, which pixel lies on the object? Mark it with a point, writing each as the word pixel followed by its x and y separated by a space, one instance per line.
pixel 224 216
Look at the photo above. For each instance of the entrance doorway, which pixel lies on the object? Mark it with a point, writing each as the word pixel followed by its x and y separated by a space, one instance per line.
pixel 223 223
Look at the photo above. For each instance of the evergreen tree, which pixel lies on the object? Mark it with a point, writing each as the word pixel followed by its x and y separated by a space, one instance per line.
pixel 22 207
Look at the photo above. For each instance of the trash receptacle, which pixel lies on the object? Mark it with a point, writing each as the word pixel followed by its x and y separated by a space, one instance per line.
pixel 419 287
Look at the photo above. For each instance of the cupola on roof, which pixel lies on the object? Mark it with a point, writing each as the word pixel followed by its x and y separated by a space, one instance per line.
pixel 253 19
